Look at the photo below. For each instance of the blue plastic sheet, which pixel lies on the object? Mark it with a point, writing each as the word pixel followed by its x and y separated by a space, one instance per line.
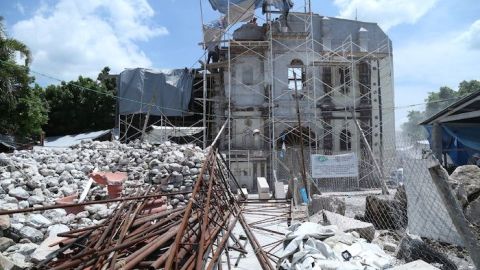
pixel 459 140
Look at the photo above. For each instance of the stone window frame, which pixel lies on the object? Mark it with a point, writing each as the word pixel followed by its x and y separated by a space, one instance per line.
pixel 296 66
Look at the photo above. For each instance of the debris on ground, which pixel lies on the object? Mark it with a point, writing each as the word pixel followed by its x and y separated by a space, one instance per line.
pixel 465 182
pixel 330 248
pixel 48 176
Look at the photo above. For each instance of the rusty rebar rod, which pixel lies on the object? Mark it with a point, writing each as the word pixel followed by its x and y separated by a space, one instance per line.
pixel 43 208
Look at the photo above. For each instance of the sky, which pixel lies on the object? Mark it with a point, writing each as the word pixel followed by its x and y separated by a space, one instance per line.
pixel 435 42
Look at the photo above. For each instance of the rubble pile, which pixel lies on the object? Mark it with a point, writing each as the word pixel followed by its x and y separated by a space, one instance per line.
pixel 465 182
pixel 42 176
pixel 314 246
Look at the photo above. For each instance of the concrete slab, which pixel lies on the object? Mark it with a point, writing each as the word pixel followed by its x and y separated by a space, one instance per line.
pixel 346 224
pixel 417 265
pixel 280 191
pixel 263 188
pixel 329 203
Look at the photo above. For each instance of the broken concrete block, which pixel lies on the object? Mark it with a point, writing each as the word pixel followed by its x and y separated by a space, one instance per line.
pixel 4 222
pixel 412 249
pixel 5 243
pixel 346 224
pixel 31 233
pixel 280 191
pixel 329 203
pixel 468 178
pixel 472 212
pixel 44 249
pixel 6 264
pixel 418 265
pixel 263 188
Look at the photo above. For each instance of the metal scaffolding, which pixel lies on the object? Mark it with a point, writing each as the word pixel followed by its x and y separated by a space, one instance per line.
pixel 336 85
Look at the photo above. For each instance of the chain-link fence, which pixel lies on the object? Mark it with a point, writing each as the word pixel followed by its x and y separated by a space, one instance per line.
pixel 413 220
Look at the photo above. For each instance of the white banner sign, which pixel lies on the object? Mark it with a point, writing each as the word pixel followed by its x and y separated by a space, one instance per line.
pixel 324 166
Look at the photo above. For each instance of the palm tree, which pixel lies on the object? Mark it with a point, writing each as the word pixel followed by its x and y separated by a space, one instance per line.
pixel 11 74
pixel 14 79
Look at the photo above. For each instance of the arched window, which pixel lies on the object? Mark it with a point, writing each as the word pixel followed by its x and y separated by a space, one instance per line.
pixel 296 75
pixel 345 140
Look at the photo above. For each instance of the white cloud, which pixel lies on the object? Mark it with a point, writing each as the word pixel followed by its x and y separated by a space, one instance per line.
pixel 387 13
pixel 423 66
pixel 471 37
pixel 76 38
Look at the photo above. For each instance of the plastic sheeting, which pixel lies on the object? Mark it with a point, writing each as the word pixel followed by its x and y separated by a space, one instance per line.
pixel 70 140
pixel 459 140
pixel 281 4
pixel 241 12
pixel 165 93
pixel 222 5
pixel 308 252
pixel 213 32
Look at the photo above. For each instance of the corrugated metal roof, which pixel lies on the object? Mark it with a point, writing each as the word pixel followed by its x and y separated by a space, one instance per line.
pixel 70 140
pixel 160 134
pixel 450 108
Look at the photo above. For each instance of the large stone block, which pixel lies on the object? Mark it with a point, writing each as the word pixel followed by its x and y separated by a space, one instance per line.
pixel 280 190
pixel 263 188
pixel 383 213
pixel 468 179
pixel 346 224
pixel 329 203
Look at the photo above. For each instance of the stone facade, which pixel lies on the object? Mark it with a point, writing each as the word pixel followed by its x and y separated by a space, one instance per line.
pixel 340 66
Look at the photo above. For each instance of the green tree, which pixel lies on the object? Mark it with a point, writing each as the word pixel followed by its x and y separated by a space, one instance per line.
pixel 90 103
pixel 435 102
pixel 466 88
pixel 22 109
pixel 411 127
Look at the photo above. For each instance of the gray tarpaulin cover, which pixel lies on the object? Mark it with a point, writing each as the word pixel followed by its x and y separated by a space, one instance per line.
pixel 311 246
pixel 158 93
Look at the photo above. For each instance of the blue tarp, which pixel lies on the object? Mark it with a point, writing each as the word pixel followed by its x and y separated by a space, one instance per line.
pixel 459 140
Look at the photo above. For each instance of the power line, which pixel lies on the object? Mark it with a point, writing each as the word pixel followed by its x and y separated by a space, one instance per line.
pixel 196 113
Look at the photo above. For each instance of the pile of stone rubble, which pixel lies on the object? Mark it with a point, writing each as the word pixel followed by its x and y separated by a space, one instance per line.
pixel 43 175
pixel 465 182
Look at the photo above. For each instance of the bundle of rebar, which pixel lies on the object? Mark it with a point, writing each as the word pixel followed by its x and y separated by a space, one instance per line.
pixel 136 235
